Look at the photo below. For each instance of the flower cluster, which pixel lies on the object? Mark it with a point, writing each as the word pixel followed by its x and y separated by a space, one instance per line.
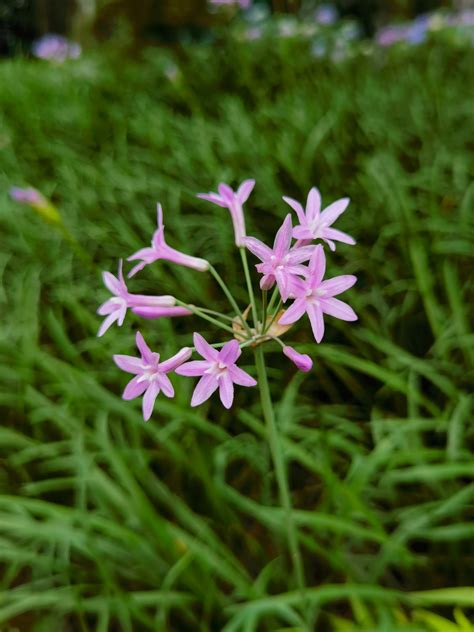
pixel 56 48
pixel 293 269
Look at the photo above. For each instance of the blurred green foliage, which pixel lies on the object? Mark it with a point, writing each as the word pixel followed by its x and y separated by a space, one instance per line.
pixel 108 523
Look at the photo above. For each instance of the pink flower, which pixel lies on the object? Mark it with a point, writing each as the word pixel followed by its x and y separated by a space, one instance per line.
pixel 317 225
pixel 150 374
pixel 301 360
pixel 115 308
pixel 217 370
pixel 55 48
pixel 232 200
pixel 315 297
pixel 160 312
pixel 28 196
pixel 160 250
pixel 282 263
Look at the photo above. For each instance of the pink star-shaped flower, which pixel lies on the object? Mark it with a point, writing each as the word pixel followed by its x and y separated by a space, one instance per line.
pixel 160 250
pixel 232 200
pixel 218 371
pixel 115 308
pixel 315 297
pixel 316 225
pixel 280 263
pixel 150 374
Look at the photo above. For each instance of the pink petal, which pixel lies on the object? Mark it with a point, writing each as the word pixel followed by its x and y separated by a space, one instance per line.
pixel 158 241
pixel 134 388
pixel 122 312
pixel 294 312
pixel 107 308
pixel 282 242
pixel 193 369
pixel 120 275
pixel 338 235
pixel 111 283
pixel 230 352
pixel 159 217
pixel 258 248
pixel 332 212
pixel 337 285
pixel 317 266
pixel 303 232
pixel 107 323
pixel 226 193
pixel 136 269
pixel 214 198
pixel 296 206
pixel 175 361
pixel 147 353
pixel 241 377
pixel 226 390
pixel 204 389
pixel 267 282
pixel 204 348
pixel 338 309
pixel 300 254
pixel 245 190
pixel 131 364
pixel 164 383
pixel 144 253
pixel 313 205
pixel 145 300
pixel 317 322
pixel 149 399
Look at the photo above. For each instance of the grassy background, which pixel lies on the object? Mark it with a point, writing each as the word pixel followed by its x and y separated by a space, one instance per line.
pixel 108 523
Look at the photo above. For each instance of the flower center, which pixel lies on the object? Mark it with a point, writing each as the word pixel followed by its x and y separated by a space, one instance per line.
pixel 218 369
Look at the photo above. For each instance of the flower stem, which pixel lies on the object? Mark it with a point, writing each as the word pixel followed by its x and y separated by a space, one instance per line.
pixel 273 299
pixel 201 314
pixel 230 298
pixel 264 308
pixel 243 254
pixel 280 468
pixel 277 311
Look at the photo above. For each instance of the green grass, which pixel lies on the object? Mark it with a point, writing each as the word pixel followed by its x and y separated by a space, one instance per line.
pixel 108 523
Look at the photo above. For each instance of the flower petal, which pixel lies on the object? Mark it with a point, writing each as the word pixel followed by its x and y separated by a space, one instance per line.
pixel 147 353
pixel 204 389
pixel 193 369
pixel 338 309
pixel 258 248
pixel 282 242
pixel 313 205
pixel 303 232
pixel 226 390
pixel 337 285
pixel 245 190
pixel 214 198
pixel 294 312
pixel 332 212
pixel 241 377
pixel 338 235
pixel 161 312
pixel 131 364
pixel 296 206
pixel 159 217
pixel 317 266
pixel 135 388
pixel 111 283
pixel 164 383
pixel 149 399
pixel 108 322
pixel 226 193
pixel 136 269
pixel 204 348
pixel 298 254
pixel 230 352
pixel 315 314
pixel 175 361
pixel 107 308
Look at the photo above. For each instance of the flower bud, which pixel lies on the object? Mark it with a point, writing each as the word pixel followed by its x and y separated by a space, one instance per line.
pixel 301 360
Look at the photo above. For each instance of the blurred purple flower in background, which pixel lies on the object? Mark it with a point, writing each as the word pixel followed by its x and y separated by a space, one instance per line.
pixel 55 48
pixel 242 4
pixel 326 14
pixel 27 196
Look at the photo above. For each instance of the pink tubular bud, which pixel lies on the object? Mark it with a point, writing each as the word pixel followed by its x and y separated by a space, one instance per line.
pixel 301 360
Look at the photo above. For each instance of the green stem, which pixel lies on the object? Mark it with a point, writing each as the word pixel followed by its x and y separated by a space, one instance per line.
pixel 214 313
pixel 273 298
pixel 243 254
pixel 201 314
pixel 230 298
pixel 264 308
pixel 277 311
pixel 280 468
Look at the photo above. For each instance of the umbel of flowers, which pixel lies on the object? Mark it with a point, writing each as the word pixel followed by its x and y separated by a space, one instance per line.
pixel 293 286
